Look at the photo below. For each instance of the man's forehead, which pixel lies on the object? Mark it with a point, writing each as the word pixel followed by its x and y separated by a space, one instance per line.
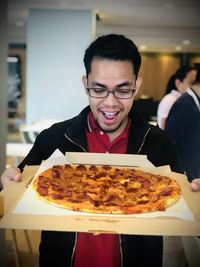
pixel 98 63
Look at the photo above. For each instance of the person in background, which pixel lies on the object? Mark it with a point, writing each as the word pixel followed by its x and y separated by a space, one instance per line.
pixel 183 127
pixel 108 124
pixel 177 85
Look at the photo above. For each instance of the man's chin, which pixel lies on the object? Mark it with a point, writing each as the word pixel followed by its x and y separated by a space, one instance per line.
pixel 110 129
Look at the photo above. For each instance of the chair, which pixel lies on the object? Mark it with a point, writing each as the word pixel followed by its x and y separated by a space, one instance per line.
pixel 191 246
pixel 16 253
pixel 26 136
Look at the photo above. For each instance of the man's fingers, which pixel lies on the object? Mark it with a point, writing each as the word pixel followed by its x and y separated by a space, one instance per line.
pixel 11 174
pixel 18 177
pixel 195 185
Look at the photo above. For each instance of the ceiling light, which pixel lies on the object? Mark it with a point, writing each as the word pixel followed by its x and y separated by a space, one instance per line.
pixel 178 48
pixel 186 42
pixel 143 47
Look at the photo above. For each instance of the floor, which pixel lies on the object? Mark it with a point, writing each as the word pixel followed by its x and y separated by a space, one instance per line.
pixel 26 258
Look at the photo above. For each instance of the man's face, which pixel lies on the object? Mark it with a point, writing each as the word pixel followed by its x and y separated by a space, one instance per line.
pixel 110 113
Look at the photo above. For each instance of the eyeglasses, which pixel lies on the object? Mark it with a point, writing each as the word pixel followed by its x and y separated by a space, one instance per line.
pixel 118 93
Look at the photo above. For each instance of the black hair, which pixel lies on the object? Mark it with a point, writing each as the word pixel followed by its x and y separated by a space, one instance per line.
pixel 171 84
pixel 197 80
pixel 112 47
pixel 180 74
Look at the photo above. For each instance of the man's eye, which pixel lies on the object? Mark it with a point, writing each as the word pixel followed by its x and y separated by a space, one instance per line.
pixel 123 91
pixel 99 90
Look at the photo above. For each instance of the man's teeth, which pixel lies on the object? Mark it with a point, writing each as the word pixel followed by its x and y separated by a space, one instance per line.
pixel 110 114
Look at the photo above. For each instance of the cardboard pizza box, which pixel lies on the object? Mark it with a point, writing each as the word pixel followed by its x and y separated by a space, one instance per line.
pixel 123 160
pixel 22 210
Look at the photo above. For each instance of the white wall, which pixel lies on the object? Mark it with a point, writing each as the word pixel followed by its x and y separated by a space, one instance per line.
pixel 55 48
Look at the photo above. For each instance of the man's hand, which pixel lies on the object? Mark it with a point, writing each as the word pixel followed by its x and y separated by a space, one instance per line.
pixel 195 185
pixel 11 174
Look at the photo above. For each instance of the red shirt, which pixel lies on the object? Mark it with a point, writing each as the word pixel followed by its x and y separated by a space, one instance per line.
pixel 103 249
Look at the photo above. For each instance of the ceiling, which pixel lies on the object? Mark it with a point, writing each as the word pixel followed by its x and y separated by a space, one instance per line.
pixel 154 25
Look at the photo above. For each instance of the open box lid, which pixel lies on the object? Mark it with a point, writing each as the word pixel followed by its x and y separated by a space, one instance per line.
pixel 125 160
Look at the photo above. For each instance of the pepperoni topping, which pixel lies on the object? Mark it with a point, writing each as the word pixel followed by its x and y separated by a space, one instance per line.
pixel 146 184
pixel 57 167
pixel 56 196
pixel 68 167
pixel 106 167
pixel 42 191
pixel 166 191
pixel 81 167
pixel 93 168
pixel 55 173
pixel 143 201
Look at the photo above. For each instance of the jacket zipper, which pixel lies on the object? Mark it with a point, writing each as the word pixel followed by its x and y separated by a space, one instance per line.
pixel 143 141
pixel 74 142
pixel 72 256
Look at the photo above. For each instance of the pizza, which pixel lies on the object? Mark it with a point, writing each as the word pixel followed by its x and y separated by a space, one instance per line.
pixel 106 189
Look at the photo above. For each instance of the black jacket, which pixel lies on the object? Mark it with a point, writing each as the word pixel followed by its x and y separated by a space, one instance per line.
pixel 56 248
pixel 183 127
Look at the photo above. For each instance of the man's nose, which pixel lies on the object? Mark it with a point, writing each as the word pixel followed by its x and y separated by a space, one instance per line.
pixel 111 99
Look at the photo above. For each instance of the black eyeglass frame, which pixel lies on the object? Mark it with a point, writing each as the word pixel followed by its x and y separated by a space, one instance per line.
pixel 110 92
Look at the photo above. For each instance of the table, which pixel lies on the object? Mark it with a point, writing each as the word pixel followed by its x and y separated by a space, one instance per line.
pixel 29 132
pixel 39 125
pixel 17 150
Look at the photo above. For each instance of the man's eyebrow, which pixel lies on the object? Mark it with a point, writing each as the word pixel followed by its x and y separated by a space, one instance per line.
pixel 124 84
pixel 94 83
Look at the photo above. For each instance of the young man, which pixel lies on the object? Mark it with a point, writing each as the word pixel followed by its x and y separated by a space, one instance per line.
pixel 108 124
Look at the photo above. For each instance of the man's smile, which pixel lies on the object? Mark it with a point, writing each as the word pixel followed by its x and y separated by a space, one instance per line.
pixel 109 115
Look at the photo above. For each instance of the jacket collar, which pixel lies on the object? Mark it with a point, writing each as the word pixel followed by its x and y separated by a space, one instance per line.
pixel 75 133
pixel 194 96
pixel 138 133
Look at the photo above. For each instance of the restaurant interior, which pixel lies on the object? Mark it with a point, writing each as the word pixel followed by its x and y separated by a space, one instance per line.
pixel 44 48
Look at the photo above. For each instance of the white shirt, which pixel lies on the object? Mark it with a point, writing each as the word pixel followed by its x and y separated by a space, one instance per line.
pixel 166 104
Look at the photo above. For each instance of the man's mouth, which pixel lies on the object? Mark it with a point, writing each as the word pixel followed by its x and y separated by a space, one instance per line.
pixel 109 115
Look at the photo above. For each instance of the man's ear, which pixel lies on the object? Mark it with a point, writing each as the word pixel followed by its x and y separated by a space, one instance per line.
pixel 137 85
pixel 84 81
